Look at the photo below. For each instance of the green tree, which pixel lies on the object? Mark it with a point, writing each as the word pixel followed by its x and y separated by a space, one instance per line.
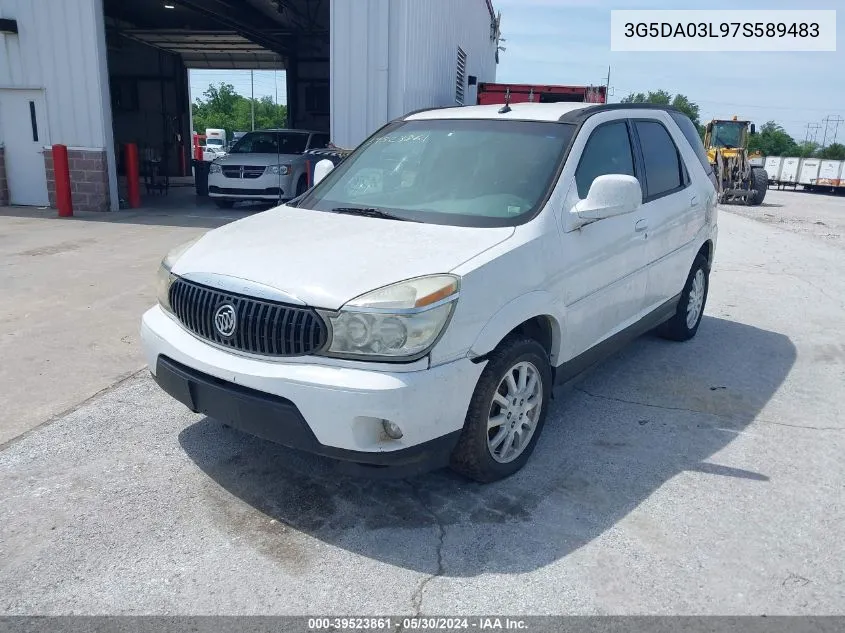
pixel 807 149
pixel 772 140
pixel 661 97
pixel 222 107
pixel 835 151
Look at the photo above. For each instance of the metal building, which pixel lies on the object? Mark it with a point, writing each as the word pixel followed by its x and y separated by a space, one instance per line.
pixel 96 74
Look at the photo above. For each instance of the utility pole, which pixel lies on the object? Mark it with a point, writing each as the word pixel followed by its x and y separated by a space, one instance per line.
pixel 829 121
pixel 252 98
pixel 814 129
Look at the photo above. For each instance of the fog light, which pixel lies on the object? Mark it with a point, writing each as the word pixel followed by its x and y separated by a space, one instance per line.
pixel 392 430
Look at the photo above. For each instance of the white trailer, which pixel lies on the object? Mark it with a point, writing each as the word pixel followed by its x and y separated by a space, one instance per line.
pixel 773 165
pixel 808 172
pixel 789 171
pixel 830 173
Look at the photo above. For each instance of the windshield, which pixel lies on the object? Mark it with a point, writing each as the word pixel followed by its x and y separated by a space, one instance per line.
pixel 271 143
pixel 214 141
pixel 727 134
pixel 465 172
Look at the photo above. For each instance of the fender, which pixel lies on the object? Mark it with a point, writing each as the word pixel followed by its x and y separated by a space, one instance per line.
pixel 514 313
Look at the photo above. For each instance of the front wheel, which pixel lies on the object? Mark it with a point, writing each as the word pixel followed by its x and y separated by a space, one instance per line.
pixel 760 185
pixel 684 324
pixel 506 413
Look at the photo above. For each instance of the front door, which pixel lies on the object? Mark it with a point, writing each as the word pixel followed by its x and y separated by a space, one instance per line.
pixel 604 282
pixel 23 122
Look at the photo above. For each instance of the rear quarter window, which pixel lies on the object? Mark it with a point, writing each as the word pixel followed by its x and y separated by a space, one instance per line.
pixel 691 134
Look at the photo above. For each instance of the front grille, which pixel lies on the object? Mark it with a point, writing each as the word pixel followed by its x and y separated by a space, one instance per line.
pixel 243 171
pixel 262 327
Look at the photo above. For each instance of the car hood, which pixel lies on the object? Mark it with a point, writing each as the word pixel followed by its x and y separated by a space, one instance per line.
pixel 256 159
pixel 326 259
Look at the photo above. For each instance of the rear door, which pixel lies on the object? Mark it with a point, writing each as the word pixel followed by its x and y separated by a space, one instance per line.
pixel 673 207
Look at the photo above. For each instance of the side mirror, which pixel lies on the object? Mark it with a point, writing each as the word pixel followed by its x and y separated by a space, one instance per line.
pixel 609 196
pixel 322 169
pixel 753 129
pixel 709 127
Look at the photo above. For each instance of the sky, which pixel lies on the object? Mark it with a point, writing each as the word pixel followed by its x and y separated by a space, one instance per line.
pixel 568 42
pixel 266 82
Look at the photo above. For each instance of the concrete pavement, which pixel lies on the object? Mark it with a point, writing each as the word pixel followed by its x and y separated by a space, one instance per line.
pixel 71 295
pixel 696 478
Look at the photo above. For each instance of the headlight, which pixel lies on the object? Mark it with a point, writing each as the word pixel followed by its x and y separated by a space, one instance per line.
pixel 398 322
pixel 278 170
pixel 166 278
pixel 163 283
pixel 171 258
pixel 215 169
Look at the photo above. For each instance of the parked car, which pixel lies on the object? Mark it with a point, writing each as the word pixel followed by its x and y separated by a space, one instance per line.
pixel 263 165
pixel 416 306
pixel 211 153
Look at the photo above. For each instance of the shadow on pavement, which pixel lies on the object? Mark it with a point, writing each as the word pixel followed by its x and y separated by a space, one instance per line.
pixel 602 453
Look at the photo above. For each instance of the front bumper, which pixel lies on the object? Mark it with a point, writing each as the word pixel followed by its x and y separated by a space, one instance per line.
pixel 265 187
pixel 323 406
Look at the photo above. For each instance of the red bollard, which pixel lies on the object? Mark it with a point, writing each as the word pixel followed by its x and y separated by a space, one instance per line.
pixel 133 176
pixel 61 169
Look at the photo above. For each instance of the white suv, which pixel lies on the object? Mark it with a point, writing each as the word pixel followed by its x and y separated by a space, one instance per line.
pixel 265 165
pixel 415 307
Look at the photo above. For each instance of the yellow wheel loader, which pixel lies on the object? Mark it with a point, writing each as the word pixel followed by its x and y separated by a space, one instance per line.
pixel 740 177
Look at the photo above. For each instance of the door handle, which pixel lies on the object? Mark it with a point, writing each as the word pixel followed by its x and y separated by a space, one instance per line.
pixel 641 226
pixel 693 201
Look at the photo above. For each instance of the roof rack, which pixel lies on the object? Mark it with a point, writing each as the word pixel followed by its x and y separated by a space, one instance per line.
pixel 581 114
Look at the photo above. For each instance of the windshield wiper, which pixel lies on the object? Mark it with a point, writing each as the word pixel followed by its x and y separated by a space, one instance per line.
pixel 369 212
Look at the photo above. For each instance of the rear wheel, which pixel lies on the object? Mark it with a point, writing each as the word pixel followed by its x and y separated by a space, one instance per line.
pixel 506 413
pixel 684 324
pixel 760 185
pixel 224 204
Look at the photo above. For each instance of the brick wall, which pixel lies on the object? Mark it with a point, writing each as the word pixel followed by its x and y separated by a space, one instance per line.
pixel 4 185
pixel 89 179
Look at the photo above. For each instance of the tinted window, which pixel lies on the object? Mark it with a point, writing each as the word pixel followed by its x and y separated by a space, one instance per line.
pixel 465 172
pixel 271 143
pixel 691 134
pixel 608 151
pixel 319 141
pixel 663 171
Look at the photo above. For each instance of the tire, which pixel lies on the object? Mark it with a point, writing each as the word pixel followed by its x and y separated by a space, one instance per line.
pixel 223 203
pixel 301 186
pixel 760 185
pixel 473 455
pixel 678 328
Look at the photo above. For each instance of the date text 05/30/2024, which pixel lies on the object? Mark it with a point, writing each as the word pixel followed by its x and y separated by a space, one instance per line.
pixel 492 623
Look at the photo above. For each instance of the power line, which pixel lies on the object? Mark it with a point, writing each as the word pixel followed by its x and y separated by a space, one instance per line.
pixel 831 121
pixel 812 132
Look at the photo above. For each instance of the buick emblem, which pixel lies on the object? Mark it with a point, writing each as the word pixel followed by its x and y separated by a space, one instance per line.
pixel 226 320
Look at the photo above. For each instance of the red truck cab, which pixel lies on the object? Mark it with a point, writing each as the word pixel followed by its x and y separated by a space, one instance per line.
pixel 490 93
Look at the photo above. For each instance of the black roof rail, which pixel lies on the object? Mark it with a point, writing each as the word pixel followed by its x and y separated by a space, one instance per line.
pixel 581 114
